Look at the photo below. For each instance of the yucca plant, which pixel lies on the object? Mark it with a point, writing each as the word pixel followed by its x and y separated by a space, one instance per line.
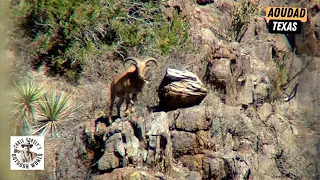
pixel 55 108
pixel 24 100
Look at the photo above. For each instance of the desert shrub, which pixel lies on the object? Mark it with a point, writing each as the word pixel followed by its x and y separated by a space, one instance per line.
pixel 281 76
pixel 25 98
pixel 61 34
pixel 54 107
pixel 35 110
pixel 243 13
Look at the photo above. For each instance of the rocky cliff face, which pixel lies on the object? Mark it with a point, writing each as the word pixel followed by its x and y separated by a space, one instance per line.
pixel 259 119
pixel 202 142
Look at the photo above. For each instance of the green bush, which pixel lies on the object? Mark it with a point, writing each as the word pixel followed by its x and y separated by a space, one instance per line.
pixel 62 33
pixel 37 111
pixel 55 108
pixel 25 97
pixel 243 13
pixel 281 75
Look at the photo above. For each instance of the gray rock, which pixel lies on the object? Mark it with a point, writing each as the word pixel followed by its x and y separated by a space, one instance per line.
pixel 268 167
pixel 270 150
pixel 280 42
pixel 113 142
pixel 168 157
pixel 146 176
pixel 159 175
pixel 144 154
pixel 179 171
pixel 151 159
pixel 119 147
pixel 193 119
pixel 263 51
pixel 214 167
pixel 260 49
pixel 141 175
pixel 152 142
pixel 242 169
pixel 205 38
pixel 265 111
pixel 249 35
pixel 108 161
pixel 194 175
pixel 261 93
pixel 225 166
pixel 119 127
pixel 135 144
pixel 246 93
pixel 183 143
pixel 157 125
pixel 219 72
pixel 157 132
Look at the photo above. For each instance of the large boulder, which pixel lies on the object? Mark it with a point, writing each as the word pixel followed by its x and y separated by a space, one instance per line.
pixel 219 72
pixel 180 89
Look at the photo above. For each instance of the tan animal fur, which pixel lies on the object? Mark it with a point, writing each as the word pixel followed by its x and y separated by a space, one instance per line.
pixel 129 82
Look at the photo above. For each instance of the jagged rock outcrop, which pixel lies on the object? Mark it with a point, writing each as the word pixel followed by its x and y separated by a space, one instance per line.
pixel 121 147
pixel 200 142
pixel 159 143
